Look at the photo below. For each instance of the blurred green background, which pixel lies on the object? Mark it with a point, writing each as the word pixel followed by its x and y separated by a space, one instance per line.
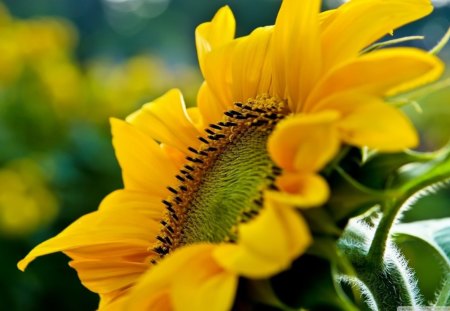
pixel 65 68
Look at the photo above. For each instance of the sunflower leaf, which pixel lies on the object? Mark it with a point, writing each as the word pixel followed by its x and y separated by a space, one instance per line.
pixel 434 232
pixel 443 294
pixel 432 237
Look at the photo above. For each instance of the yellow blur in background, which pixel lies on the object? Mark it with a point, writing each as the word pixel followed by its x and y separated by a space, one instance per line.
pixel 26 202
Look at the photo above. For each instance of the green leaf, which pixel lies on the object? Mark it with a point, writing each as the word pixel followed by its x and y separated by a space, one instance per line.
pixel 431 237
pixel 435 232
pixel 443 295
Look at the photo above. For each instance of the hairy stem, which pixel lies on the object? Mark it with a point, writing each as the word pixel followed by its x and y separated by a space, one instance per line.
pixel 381 237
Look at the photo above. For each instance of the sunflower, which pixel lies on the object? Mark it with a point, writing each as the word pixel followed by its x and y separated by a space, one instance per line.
pixel 211 193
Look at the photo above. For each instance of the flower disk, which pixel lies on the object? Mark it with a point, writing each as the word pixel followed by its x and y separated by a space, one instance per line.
pixel 224 182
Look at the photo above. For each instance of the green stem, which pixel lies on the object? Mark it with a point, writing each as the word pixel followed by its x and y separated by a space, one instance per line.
pixel 390 42
pixel 417 95
pixel 334 164
pixel 435 50
pixel 261 291
pixel 359 186
pixel 444 296
pixel 380 239
pixel 396 199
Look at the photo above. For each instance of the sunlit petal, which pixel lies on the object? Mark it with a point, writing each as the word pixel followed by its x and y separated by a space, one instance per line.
pixel 301 190
pixel 380 73
pixel 144 165
pixel 305 143
pixel 166 120
pixel 215 33
pixel 296 50
pixel 359 23
pixel 368 121
pixel 261 252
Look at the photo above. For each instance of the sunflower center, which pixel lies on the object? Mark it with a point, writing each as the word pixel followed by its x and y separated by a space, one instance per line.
pixel 222 184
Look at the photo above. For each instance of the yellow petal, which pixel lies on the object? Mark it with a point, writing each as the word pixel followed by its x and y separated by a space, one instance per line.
pixel 236 72
pixel 159 300
pixel 136 202
pixel 145 166
pixel 251 65
pixel 381 73
pixel 296 50
pixel 167 121
pixel 215 33
pixel 177 157
pixel 108 233
pixel 260 252
pixel 301 190
pixel 105 276
pixel 305 143
pixel 359 23
pixel 203 286
pixel 113 301
pixel 326 18
pixel 210 107
pixel 196 118
pixel 368 121
pixel 217 72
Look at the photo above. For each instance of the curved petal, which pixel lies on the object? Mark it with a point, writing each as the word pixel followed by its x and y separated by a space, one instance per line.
pixel 102 276
pixel 196 118
pixel 326 18
pixel 368 121
pixel 236 72
pixel 358 23
pixel 167 121
pixel 113 301
pixel 380 73
pixel 218 74
pixel 89 237
pixel 177 157
pixel 210 107
pixel 251 65
pixel 296 50
pixel 305 143
pixel 301 190
pixel 133 202
pixel 204 286
pixel 110 232
pixel 215 33
pixel 260 252
pixel 145 167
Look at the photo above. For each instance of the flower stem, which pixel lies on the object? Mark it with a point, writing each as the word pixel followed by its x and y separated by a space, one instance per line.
pixel 380 239
pixel 334 164
pixel 441 44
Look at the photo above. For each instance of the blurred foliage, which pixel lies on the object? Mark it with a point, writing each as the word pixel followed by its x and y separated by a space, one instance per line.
pixel 25 200
pixel 61 78
pixel 56 160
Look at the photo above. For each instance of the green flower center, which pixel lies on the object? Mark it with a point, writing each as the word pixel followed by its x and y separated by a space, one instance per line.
pixel 222 185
